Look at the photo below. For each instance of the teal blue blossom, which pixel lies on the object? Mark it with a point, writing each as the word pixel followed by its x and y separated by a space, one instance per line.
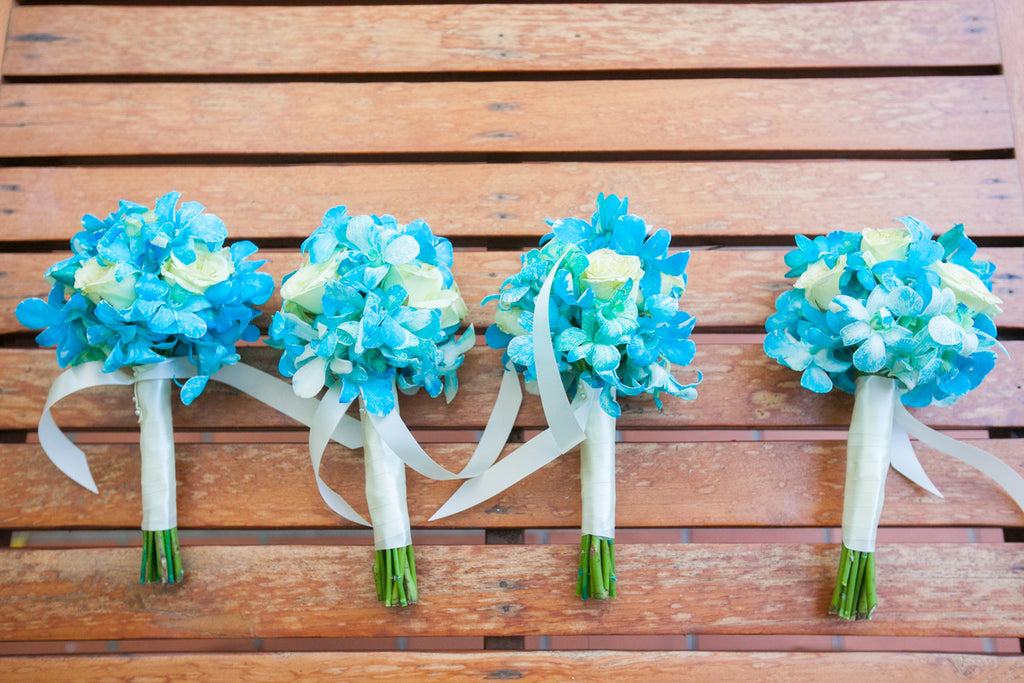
pixel 614 307
pixel 897 303
pixel 144 285
pixel 374 305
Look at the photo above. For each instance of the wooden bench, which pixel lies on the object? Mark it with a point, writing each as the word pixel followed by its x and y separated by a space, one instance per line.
pixel 734 126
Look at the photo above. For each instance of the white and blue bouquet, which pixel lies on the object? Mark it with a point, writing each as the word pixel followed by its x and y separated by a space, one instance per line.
pixel 142 287
pixel 592 316
pixel 373 308
pixel 896 318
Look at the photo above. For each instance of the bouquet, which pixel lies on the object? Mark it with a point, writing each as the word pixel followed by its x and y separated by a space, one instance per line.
pixel 373 308
pixel 593 315
pixel 894 317
pixel 144 286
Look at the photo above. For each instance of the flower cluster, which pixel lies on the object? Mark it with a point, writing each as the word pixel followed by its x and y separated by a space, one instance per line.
pixel 614 307
pixel 144 285
pixel 892 302
pixel 375 303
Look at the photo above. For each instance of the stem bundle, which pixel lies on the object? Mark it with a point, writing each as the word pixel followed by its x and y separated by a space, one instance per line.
pixel 854 596
pixel 596 576
pixel 394 572
pixel 161 557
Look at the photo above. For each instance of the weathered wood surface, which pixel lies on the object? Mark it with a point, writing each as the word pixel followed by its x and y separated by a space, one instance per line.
pixel 658 485
pixel 901 114
pixel 726 288
pixel 742 388
pixel 1011 27
pixel 486 38
pixel 655 667
pixel 284 591
pixel 706 201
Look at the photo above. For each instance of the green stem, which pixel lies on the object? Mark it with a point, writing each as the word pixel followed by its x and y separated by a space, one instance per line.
pixel 855 595
pixel 394 574
pixel 161 557
pixel 596 575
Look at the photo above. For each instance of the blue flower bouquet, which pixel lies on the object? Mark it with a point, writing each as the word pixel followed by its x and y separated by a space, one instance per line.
pixel 594 315
pixel 144 286
pixel 896 318
pixel 373 308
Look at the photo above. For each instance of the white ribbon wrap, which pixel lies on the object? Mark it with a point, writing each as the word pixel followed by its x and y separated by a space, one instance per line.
pixel 385 487
pixel 867 460
pixel 156 446
pixel 597 475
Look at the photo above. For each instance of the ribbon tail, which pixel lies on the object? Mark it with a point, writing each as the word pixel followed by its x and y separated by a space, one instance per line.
pixel 68 457
pixel 279 395
pixel 325 421
pixel 1004 475
pixel 904 460
pixel 513 468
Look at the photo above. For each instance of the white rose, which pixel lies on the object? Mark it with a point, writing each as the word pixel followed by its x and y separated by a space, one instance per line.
pixel 884 245
pixel 821 283
pixel 208 269
pixel 508 321
pixel 670 281
pixel 609 271
pixel 424 285
pixel 967 287
pixel 305 287
pixel 98 282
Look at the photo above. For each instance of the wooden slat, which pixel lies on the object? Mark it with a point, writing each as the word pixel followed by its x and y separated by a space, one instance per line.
pixel 742 387
pixel 710 200
pixel 655 667
pixel 709 296
pixel 290 591
pixel 934 113
pixel 219 40
pixel 1011 28
pixel 659 485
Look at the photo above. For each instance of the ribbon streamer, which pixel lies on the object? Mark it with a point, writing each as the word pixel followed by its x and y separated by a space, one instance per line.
pixel 567 421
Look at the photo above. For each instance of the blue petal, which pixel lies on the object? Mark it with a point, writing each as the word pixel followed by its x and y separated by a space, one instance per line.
pixel 402 249
pixel 192 388
pixel 210 229
pixel 36 314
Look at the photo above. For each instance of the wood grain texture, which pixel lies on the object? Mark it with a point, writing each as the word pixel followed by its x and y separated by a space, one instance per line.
pixel 294 40
pixel 463 667
pixel 307 591
pixel 706 201
pixel 903 114
pixel 1010 16
pixel 709 296
pixel 742 388
pixel 658 485
pixel 5 17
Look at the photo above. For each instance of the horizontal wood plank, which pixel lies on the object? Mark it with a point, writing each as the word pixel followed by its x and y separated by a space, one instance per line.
pixel 655 667
pixel 306 591
pixel 742 388
pixel 706 201
pixel 903 114
pixel 709 296
pixel 55 41
pixel 669 484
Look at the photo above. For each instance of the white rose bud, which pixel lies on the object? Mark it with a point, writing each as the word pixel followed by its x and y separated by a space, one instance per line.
pixel 208 269
pixel 98 282
pixel 821 283
pixel 967 287
pixel 668 282
pixel 884 245
pixel 305 287
pixel 609 271
pixel 424 285
pixel 508 321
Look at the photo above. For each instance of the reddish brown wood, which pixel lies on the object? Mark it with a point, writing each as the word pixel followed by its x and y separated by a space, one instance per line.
pixel 1011 26
pixel 666 484
pixel 205 40
pixel 901 114
pixel 655 667
pixel 700 201
pixel 290 591
pixel 741 388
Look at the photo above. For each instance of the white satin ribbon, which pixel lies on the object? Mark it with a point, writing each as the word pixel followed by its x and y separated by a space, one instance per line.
pixel 567 421
pixel 880 430
pixel 156 448
pixel 385 487
pixel 265 388
pixel 597 475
